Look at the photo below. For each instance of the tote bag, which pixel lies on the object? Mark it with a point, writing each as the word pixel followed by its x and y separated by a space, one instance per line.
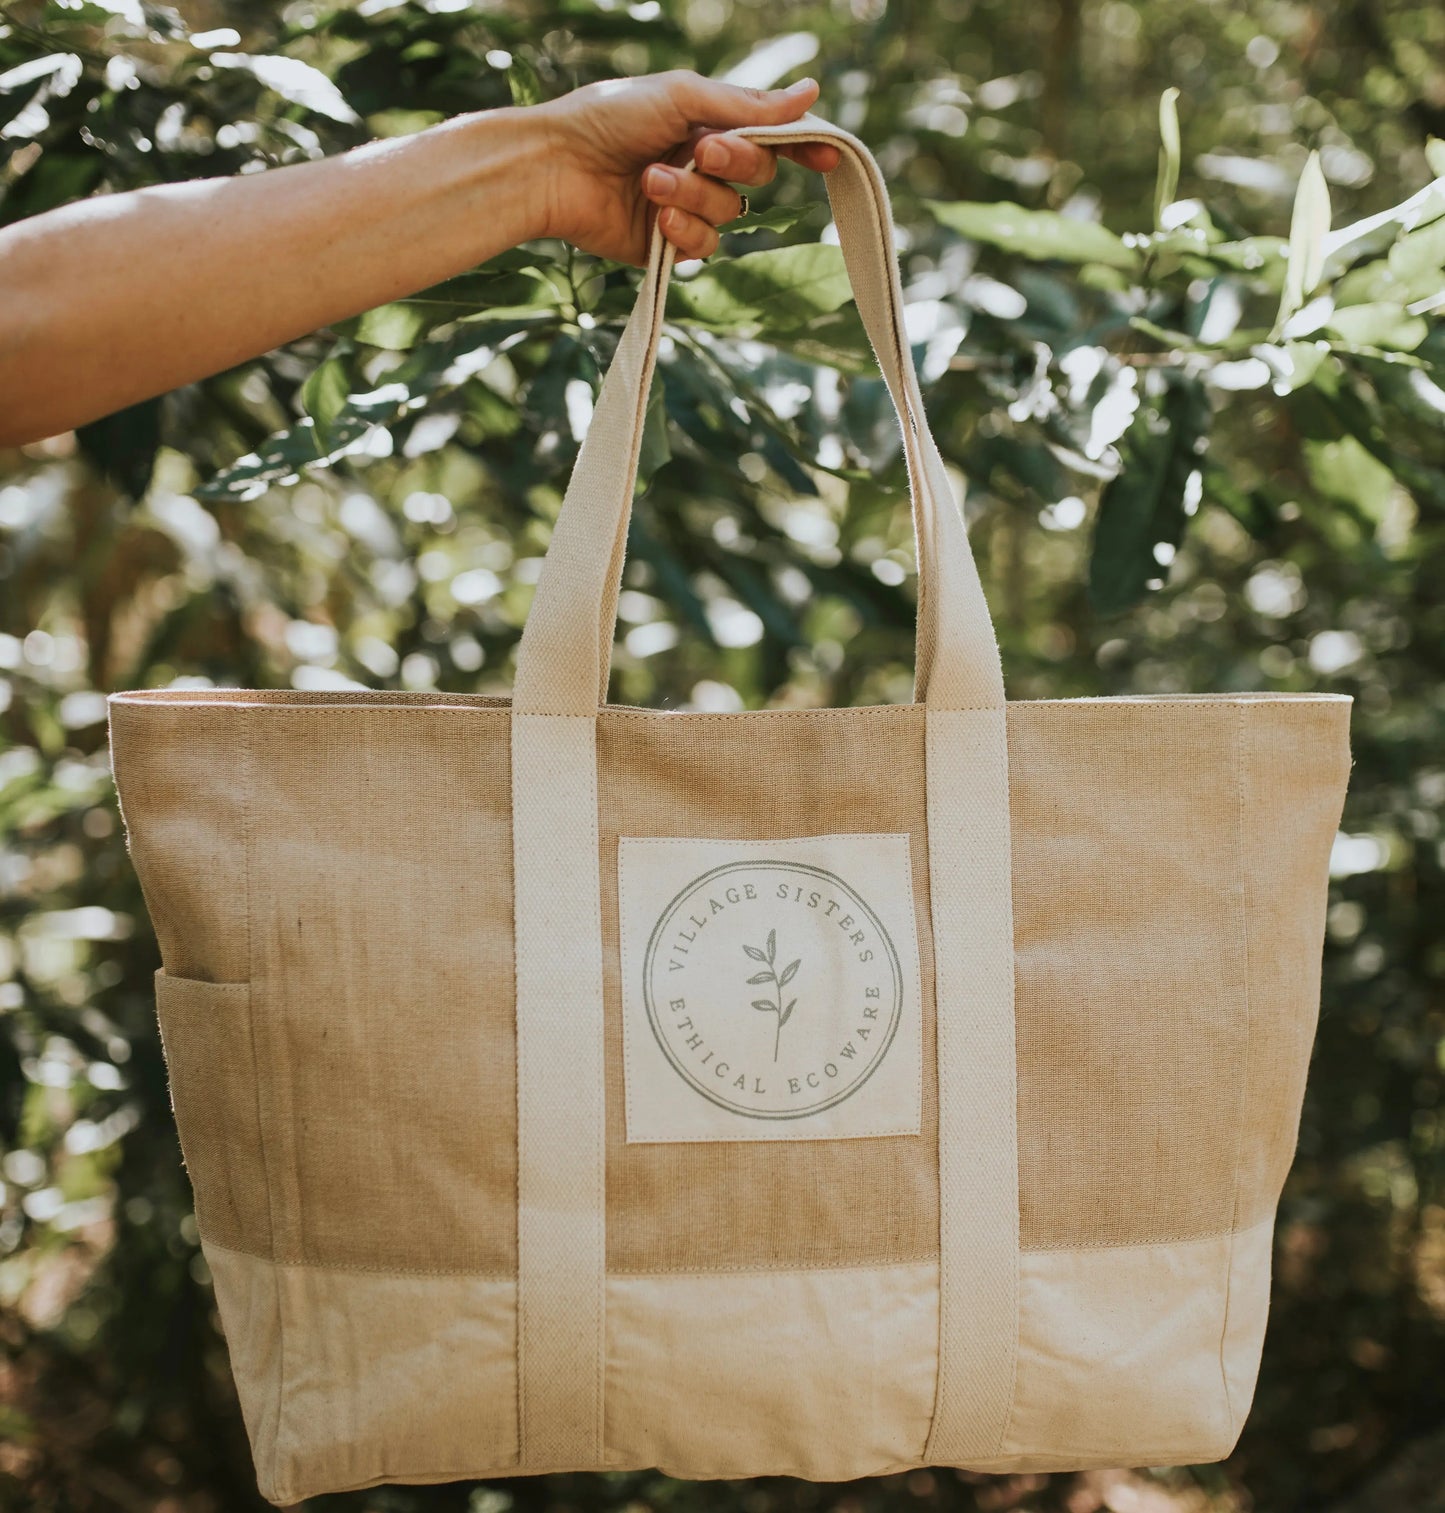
pixel 567 1086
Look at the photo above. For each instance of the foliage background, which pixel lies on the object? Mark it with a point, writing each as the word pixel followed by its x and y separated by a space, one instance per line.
pixel 1166 489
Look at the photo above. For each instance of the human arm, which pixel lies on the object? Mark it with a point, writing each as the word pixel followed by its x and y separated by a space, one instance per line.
pixel 115 298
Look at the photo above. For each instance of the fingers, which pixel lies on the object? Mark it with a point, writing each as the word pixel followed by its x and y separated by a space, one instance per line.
pixel 693 205
pixel 711 102
pixel 820 156
pixel 690 234
pixel 701 196
pixel 726 156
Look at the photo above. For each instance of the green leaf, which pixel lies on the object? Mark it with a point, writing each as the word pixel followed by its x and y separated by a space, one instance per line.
pixel 1263 256
pixel 1420 255
pixel 1346 471
pixel 123 446
pixel 293 80
pixel 787 1013
pixel 325 392
pixel 1373 236
pixel 656 448
pixel 789 972
pixel 777 218
pixel 433 368
pixel 395 327
pixel 1251 507
pixel 1178 341
pixel 1309 226
pixel 1144 504
pixel 1413 269
pixel 1168 175
pixel 1305 358
pixel 1379 325
pixel 755 953
pixel 766 1005
pixel 758 977
pixel 779 290
pixel 772 946
pixel 1041 235
pixel 522 80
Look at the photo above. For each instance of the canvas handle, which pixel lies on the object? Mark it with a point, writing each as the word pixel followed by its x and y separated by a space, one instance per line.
pixel 565 651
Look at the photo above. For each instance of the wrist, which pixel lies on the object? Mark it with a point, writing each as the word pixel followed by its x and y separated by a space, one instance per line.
pixel 511 159
pixel 535 159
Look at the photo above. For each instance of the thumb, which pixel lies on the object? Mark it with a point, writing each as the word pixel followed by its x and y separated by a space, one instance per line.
pixel 712 102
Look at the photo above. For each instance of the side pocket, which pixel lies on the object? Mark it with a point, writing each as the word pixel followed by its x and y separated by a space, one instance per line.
pixel 210 1061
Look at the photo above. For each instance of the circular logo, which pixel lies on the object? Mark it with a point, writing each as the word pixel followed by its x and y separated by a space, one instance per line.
pixel 772 987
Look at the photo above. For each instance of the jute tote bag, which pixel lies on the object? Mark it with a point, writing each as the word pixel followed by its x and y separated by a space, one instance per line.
pixel 567 1086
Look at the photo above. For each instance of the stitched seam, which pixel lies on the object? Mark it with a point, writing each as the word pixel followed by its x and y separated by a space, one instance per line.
pixel 520 1295
pixel 1244 1084
pixel 223 695
pixel 760 1269
pixel 599 1090
pixel 1149 1244
pixel 772 840
pixel 272 1196
pixel 774 1136
pixel 1199 707
pixel 764 1270
pixel 205 983
pixel 942 983
pixel 1008 905
pixel 366 1268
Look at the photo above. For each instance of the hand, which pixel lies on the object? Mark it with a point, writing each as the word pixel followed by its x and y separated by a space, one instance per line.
pixel 615 149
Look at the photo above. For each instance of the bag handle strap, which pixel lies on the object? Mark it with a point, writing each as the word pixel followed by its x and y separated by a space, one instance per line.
pixel 564 656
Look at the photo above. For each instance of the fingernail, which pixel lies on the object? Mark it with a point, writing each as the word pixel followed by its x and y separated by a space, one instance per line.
pixel 713 154
pixel 660 180
pixel 799 87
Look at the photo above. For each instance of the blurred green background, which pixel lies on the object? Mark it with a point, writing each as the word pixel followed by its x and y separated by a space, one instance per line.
pixel 1194 401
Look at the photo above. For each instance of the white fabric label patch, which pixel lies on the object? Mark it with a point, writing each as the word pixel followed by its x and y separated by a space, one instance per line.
pixel 770 989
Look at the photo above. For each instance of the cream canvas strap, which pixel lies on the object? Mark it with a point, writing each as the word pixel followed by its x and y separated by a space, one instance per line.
pixel 562 669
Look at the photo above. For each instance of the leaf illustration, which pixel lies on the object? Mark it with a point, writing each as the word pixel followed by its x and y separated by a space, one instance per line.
pixel 769 956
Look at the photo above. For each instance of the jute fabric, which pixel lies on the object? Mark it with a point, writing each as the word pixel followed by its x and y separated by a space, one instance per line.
pixel 1149 1101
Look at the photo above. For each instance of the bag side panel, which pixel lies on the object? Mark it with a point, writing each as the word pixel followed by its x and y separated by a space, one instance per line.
pixel 1294 768
pixel 382 916
pixel 1131 1030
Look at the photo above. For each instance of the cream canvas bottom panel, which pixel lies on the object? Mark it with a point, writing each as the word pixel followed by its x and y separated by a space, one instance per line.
pixel 1140 1355
pixel 430 1362
pixel 824 1374
pixel 1128 1355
